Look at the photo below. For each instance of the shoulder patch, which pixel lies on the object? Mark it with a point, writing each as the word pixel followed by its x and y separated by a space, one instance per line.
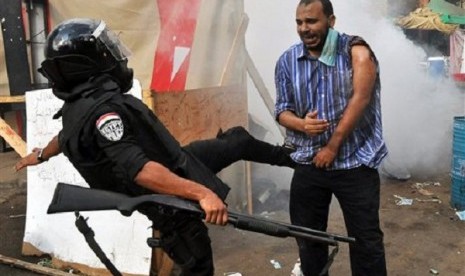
pixel 110 126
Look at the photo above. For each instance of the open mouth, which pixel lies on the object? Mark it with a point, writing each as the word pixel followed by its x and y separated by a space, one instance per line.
pixel 310 39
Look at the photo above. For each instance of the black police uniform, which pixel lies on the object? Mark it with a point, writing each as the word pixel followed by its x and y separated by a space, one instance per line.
pixel 109 136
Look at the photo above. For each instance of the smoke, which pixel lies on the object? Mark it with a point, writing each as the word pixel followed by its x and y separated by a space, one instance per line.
pixel 418 110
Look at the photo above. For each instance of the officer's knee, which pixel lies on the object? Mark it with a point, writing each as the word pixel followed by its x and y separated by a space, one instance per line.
pixel 237 136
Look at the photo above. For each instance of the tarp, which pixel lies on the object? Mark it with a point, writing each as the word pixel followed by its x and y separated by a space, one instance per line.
pixel 176 46
pixel 456 52
pixel 449 13
pixel 425 19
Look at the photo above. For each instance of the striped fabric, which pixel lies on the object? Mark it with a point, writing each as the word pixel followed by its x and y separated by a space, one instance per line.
pixel 304 84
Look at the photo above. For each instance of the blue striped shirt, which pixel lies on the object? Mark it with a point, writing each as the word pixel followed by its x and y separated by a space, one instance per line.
pixel 304 84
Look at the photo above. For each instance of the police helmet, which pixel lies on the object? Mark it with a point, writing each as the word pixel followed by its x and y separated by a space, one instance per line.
pixel 80 48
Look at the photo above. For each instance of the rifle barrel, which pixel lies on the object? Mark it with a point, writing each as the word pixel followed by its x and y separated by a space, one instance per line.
pixel 299 229
pixel 275 229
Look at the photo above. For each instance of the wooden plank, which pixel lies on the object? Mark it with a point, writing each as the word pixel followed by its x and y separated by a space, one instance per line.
pixel 237 47
pixel 12 99
pixel 262 90
pixel 147 98
pixel 162 265
pixel 166 266
pixel 32 267
pixel 248 170
pixel 12 138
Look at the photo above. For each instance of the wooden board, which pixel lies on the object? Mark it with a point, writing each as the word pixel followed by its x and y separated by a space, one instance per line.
pixel 12 99
pixel 32 267
pixel 199 114
pixel 12 138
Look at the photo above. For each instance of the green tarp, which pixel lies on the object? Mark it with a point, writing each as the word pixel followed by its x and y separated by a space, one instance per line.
pixel 449 13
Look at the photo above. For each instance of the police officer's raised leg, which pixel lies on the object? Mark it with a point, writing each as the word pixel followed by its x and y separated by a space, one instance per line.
pixel 237 144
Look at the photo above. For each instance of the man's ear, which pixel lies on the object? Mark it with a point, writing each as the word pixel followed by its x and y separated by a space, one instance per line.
pixel 332 20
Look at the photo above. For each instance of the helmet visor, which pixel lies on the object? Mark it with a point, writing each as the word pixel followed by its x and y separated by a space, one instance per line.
pixel 114 45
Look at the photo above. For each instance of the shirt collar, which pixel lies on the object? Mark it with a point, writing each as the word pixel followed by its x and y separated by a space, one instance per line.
pixel 303 53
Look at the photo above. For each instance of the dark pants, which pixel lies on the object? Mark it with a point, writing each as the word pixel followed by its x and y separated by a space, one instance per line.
pixel 186 240
pixel 237 144
pixel 358 193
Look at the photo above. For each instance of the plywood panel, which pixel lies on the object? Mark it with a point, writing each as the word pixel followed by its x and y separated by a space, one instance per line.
pixel 200 113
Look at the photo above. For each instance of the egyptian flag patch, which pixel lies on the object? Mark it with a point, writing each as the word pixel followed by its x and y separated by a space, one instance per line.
pixel 110 126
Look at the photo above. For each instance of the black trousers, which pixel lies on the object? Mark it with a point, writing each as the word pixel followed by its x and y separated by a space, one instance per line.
pixel 186 239
pixel 358 193
pixel 237 144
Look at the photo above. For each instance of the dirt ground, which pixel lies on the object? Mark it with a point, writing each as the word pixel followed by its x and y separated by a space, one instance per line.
pixel 421 239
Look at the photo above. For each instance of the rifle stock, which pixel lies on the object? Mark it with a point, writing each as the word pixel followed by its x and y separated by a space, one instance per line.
pixel 72 198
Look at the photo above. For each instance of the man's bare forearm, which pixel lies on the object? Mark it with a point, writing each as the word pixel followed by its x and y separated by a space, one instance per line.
pixel 39 155
pixel 51 149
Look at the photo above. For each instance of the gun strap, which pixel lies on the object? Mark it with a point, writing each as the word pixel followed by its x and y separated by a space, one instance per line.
pixel 88 234
pixel 330 260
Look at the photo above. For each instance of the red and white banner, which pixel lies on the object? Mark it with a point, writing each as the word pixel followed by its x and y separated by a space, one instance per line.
pixel 177 45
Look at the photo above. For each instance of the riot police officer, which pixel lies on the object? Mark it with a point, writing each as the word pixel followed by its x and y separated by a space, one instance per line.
pixel 116 143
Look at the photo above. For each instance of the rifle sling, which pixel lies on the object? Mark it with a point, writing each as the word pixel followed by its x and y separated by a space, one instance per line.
pixel 88 234
pixel 330 260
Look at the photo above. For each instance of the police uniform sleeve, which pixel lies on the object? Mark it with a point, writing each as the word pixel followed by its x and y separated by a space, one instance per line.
pixel 115 136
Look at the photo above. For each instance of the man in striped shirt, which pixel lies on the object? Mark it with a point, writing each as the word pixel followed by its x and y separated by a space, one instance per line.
pixel 328 98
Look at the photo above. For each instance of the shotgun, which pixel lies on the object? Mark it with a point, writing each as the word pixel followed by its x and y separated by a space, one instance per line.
pixel 72 198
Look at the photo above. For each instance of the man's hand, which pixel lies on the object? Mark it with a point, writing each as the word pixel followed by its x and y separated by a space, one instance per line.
pixel 314 126
pixel 324 158
pixel 32 159
pixel 214 208
pixel 159 179
pixel 29 160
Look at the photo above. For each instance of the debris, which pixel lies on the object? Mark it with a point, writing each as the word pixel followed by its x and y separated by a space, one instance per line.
pixel 421 187
pixel 232 274
pixel 434 271
pixel 16 216
pixel 425 192
pixel 461 215
pixel 296 271
pixel 45 262
pixel 403 200
pixel 436 200
pixel 424 184
pixel 267 214
pixel 264 196
pixel 275 264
